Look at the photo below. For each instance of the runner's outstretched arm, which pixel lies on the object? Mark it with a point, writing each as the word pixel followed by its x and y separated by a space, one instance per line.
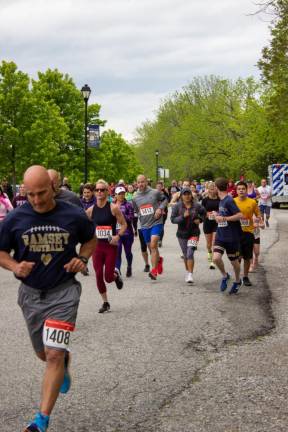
pixel 22 269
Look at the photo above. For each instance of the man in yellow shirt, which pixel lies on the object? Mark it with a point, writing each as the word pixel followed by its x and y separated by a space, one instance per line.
pixel 248 208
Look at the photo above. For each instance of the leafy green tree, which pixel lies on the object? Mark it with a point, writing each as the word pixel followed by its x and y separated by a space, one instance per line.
pixel 212 127
pixel 274 69
pixel 42 122
pixel 31 130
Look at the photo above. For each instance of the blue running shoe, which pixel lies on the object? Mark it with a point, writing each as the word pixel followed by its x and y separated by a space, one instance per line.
pixel 224 283
pixel 235 287
pixel 39 424
pixel 65 387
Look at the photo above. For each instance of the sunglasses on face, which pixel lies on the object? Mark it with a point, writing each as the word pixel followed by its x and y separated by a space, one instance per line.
pixel 100 190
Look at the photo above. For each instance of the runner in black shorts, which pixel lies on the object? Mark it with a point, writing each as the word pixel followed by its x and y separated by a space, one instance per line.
pixel 249 209
pixel 44 234
pixel 227 236
pixel 211 205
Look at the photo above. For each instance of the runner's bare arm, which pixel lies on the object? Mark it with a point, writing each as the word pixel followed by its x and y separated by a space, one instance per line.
pixel 174 199
pixel 76 265
pixel 22 269
pixel 120 219
pixel 89 212
pixel 233 218
pixel 258 213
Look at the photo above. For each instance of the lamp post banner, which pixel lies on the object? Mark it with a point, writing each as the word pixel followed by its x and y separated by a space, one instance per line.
pixel 94 136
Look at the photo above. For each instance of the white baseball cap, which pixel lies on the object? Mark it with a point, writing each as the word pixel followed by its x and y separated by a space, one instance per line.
pixel 120 189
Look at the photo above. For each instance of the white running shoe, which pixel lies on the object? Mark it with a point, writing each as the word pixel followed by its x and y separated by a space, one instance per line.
pixel 190 278
pixel 186 277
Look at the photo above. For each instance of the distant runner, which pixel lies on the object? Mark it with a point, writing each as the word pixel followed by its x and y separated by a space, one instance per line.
pixel 188 214
pixel 227 236
pixel 149 204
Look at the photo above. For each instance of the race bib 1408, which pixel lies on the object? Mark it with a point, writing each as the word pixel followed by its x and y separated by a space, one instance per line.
pixel 56 334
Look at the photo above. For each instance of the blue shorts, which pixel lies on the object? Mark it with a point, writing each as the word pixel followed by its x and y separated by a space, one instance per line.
pixel 264 209
pixel 155 230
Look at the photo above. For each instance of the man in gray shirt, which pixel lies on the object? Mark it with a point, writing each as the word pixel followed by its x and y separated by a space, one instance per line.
pixel 149 204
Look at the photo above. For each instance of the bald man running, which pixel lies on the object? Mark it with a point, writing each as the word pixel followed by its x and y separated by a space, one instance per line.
pixel 149 205
pixel 44 234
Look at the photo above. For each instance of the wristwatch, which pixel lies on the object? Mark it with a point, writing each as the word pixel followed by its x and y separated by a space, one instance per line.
pixel 83 259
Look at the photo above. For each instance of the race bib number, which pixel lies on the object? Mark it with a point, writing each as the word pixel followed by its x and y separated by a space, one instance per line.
pixel 193 242
pixel 56 334
pixel 245 222
pixel 211 215
pixel 223 224
pixel 146 210
pixel 103 232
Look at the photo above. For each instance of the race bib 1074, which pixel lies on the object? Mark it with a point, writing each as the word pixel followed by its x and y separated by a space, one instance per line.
pixel 56 334
pixel 103 232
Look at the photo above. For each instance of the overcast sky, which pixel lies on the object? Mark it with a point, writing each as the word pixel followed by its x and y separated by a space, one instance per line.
pixel 132 53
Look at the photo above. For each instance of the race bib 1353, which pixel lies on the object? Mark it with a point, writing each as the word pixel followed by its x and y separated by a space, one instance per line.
pixel 146 210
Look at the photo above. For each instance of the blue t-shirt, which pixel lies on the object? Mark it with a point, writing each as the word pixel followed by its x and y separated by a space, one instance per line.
pixel 48 239
pixel 232 231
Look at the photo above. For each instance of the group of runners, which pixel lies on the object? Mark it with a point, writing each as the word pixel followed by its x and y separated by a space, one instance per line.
pixel 45 231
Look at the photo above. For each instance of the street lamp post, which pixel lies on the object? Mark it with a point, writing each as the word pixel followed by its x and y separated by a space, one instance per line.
pixel 86 91
pixel 157 164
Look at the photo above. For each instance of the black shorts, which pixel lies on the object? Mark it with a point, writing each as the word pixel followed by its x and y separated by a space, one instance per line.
pixel 209 226
pixel 246 245
pixel 232 249
pixel 257 241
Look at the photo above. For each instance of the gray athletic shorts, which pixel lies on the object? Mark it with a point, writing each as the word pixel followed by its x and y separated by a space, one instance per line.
pixel 188 252
pixel 60 303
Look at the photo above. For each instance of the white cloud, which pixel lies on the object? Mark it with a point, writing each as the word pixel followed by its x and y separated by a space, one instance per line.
pixel 132 51
pixel 126 111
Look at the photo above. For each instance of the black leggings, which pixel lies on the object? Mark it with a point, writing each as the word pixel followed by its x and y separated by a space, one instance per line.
pixel 164 220
pixel 142 242
pixel 135 223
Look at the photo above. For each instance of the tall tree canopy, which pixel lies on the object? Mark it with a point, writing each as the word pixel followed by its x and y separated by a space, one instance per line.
pixel 212 127
pixel 42 122
pixel 274 69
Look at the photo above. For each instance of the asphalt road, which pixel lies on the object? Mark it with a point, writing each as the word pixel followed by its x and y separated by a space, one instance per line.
pixel 168 357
